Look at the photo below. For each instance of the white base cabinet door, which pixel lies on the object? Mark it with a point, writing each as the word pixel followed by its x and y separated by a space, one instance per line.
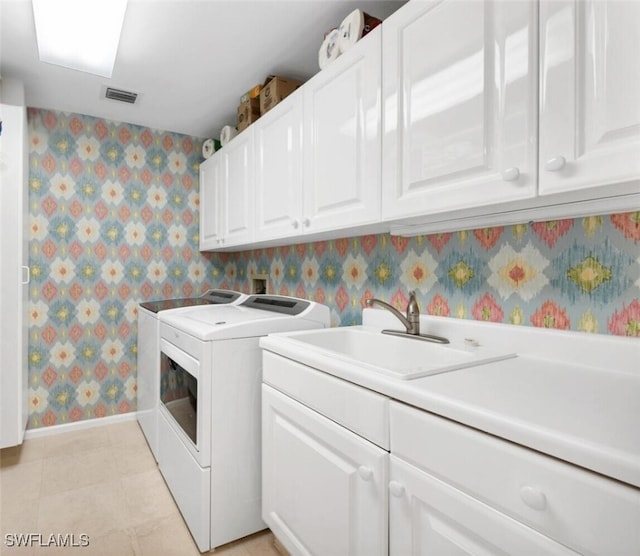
pixel 324 487
pixel 590 94
pixel 459 106
pixel 430 518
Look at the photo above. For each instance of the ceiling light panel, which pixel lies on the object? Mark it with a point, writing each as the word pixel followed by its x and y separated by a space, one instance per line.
pixel 79 34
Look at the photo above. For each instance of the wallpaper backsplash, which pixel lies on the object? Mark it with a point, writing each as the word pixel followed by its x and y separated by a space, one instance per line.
pixel 578 274
pixel 114 221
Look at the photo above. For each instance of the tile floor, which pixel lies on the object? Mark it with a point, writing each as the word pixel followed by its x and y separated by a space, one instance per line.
pixel 102 482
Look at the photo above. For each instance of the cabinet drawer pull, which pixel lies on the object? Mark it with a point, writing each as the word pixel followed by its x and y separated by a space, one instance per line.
pixel 396 489
pixel 533 497
pixel 295 223
pixel 366 473
pixel 511 174
pixel 306 222
pixel 555 164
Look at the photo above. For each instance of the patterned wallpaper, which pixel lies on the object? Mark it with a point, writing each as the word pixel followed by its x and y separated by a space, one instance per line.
pixel 576 274
pixel 114 221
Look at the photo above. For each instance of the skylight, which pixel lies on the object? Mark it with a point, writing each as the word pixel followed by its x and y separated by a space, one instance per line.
pixel 79 34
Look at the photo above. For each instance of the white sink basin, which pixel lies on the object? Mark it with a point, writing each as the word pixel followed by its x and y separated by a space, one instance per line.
pixel 400 357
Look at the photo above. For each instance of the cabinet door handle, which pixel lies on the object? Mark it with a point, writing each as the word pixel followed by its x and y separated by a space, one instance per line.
pixel 555 164
pixel 366 473
pixel 26 280
pixel 295 223
pixel 306 222
pixel 511 174
pixel 533 497
pixel 396 489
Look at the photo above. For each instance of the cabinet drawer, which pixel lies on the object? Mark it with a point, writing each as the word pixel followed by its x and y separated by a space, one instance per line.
pixel 583 510
pixel 358 409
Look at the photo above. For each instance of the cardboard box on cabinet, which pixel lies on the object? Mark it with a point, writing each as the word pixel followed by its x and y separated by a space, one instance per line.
pixel 275 89
pixel 248 112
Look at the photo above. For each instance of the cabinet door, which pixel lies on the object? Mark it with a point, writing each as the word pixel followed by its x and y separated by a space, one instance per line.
pixel 324 487
pixel 278 151
pixel 14 272
pixel 460 97
pixel 590 104
pixel 239 190
pixel 211 189
pixel 342 140
pixel 428 517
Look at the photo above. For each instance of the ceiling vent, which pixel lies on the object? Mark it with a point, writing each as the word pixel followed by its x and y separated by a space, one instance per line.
pixel 120 95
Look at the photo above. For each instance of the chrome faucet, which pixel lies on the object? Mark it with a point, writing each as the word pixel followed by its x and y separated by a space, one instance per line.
pixel 411 321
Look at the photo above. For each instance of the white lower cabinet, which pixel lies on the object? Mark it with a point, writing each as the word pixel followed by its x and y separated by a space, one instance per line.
pixel 444 488
pixel 429 517
pixel 324 487
pixel 456 490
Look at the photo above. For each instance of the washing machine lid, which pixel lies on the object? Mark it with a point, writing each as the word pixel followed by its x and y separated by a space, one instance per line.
pixel 210 297
pixel 258 315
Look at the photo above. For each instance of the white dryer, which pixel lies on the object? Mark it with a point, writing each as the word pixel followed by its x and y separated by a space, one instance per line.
pixel 209 415
pixel 148 359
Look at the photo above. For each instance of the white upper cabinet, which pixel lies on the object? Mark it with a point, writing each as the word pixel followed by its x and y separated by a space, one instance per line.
pixel 590 94
pixel 278 151
pixel 239 190
pixel 342 140
pixel 211 175
pixel 227 195
pixel 311 165
pixel 460 97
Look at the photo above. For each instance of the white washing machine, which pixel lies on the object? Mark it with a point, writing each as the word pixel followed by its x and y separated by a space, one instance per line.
pixel 209 415
pixel 148 378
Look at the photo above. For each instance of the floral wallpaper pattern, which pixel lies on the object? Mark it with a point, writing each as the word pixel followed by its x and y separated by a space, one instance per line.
pixel 114 221
pixel 575 274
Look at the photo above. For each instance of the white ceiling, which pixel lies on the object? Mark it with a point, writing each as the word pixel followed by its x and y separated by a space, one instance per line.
pixel 189 60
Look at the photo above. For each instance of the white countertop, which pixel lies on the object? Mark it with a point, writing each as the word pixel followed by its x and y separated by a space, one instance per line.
pixel 570 395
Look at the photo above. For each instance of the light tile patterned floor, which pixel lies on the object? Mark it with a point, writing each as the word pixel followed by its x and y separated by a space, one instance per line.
pixel 102 482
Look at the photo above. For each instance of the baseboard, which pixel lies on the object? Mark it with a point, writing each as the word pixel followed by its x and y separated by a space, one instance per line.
pixel 280 547
pixel 79 425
